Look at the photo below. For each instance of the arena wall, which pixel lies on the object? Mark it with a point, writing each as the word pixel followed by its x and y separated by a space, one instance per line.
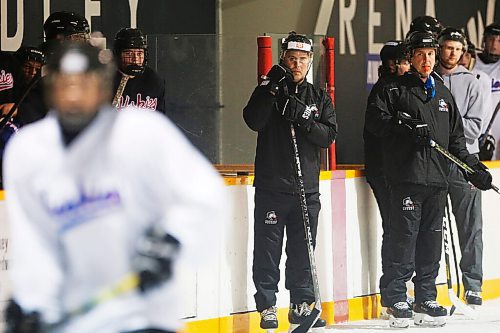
pixel 219 298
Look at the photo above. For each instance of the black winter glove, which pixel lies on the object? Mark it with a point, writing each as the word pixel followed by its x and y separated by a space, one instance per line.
pixel 480 178
pixel 277 76
pixel 297 111
pixel 418 129
pixel 155 254
pixel 19 322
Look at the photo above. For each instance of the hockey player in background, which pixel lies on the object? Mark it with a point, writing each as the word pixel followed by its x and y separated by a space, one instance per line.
pixel 465 199
pixel 59 27
pixel 394 63
pixel 95 196
pixel 285 97
pixel 144 88
pixel 406 113
pixel 488 62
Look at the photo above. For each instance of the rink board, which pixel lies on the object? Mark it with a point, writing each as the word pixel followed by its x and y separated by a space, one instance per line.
pixel 220 299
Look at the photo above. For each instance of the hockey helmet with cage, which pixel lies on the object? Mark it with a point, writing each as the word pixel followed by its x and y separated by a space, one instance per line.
pixel 66 24
pixel 131 38
pixel 425 24
pixel 296 42
pixel 453 34
pixel 27 53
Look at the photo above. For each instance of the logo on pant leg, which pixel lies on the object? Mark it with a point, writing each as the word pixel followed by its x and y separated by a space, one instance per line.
pixel 408 204
pixel 271 218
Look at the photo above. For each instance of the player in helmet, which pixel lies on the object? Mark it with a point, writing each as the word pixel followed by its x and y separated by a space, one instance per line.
pixel 394 59
pixel 31 59
pixel 144 88
pixel 59 27
pixel 406 113
pixel 285 97
pixel 76 170
pixel 473 104
pixel 66 26
pixel 425 24
pixel 394 63
pixel 488 62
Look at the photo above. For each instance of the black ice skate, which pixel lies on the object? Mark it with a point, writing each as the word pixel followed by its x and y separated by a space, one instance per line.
pixel 429 313
pixel 399 315
pixel 268 319
pixel 298 313
pixel 384 313
pixel 473 298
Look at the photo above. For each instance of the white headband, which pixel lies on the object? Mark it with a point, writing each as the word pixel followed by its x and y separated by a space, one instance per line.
pixel 299 46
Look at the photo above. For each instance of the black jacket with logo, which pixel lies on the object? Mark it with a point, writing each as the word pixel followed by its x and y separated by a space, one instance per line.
pixel 274 162
pixel 145 91
pixel 405 161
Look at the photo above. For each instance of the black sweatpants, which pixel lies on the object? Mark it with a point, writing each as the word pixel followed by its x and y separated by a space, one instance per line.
pixel 415 227
pixel 381 190
pixel 273 212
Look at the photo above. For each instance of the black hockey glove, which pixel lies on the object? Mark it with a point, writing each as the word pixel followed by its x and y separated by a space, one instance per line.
pixel 153 261
pixel 276 77
pixel 19 322
pixel 418 129
pixel 487 147
pixel 296 111
pixel 481 177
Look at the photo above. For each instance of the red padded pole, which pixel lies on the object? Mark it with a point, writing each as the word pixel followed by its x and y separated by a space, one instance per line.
pixel 264 56
pixel 329 43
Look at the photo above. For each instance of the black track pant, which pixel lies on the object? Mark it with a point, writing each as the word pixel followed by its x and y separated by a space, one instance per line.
pixel 381 190
pixel 414 245
pixel 273 212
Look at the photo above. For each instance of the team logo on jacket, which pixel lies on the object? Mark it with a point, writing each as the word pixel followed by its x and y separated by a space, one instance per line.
pixel 148 103
pixel 6 81
pixel 443 106
pixel 271 217
pixel 408 204
pixel 311 110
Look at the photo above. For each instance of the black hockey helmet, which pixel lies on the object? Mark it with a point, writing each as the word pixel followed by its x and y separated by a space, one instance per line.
pixel 453 34
pixel 26 53
pixel 393 50
pixel 297 42
pixel 420 39
pixel 425 24
pixel 492 30
pixel 131 38
pixel 66 24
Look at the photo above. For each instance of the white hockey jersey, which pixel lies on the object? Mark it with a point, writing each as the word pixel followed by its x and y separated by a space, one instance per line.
pixel 76 212
pixel 493 70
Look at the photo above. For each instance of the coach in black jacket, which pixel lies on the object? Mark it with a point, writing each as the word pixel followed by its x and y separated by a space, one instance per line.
pixel 406 113
pixel 285 97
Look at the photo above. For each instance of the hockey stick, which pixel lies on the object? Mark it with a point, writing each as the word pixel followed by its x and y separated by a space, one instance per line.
pixel 467 311
pixel 14 108
pixel 453 307
pixel 316 311
pixel 490 124
pixel 455 160
pixel 126 284
pixel 120 89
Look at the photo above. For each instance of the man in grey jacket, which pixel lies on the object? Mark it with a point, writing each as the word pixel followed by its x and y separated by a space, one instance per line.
pixel 465 198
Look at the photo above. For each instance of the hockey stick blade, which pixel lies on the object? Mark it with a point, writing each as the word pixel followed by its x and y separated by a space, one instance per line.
pixel 308 323
pixel 461 306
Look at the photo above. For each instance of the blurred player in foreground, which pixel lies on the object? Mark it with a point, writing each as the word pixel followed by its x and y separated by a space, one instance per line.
pixel 97 198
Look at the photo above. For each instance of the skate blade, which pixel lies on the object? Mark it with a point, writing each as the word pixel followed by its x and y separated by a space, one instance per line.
pixel 294 326
pixel 270 330
pixel 399 322
pixel 317 330
pixel 422 319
